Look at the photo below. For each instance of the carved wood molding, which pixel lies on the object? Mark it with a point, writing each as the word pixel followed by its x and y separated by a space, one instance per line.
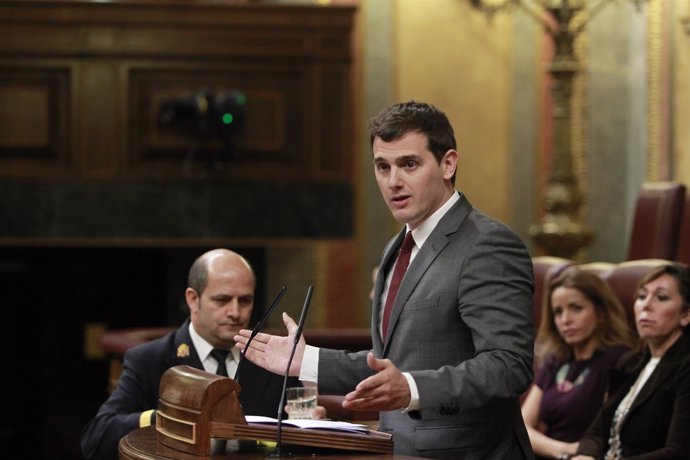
pixel 175 28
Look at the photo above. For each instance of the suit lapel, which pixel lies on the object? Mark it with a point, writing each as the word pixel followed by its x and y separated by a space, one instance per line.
pixel 183 352
pixel 437 241
pixel 667 366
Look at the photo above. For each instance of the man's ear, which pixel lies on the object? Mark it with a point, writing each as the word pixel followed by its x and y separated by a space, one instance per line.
pixel 192 299
pixel 449 163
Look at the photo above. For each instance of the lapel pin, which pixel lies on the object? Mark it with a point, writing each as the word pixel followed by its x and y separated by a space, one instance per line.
pixel 183 350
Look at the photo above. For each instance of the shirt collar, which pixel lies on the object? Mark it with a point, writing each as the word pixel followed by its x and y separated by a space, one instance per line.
pixel 422 232
pixel 203 348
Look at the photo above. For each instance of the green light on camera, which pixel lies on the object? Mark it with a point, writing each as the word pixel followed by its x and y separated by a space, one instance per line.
pixel 227 118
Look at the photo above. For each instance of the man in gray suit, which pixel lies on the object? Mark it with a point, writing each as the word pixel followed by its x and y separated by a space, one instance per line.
pixel 457 348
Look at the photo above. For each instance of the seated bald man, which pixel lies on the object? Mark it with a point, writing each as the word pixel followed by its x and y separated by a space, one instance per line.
pixel 220 297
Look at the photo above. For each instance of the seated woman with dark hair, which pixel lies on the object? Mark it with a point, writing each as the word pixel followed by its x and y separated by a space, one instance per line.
pixel 647 416
pixel 583 332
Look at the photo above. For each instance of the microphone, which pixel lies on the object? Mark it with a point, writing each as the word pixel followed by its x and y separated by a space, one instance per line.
pixel 279 447
pixel 257 328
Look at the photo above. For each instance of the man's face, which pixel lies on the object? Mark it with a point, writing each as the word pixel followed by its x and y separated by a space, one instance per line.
pixel 413 183
pixel 225 306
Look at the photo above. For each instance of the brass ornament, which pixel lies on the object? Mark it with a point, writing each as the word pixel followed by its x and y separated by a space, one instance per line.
pixel 183 350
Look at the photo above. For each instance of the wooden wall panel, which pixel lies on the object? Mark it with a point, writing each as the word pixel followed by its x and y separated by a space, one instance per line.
pixel 334 130
pixel 276 131
pixel 100 135
pixel 34 120
pixel 126 59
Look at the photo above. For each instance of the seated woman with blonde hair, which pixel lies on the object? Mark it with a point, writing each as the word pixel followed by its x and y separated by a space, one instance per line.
pixel 584 331
pixel 647 416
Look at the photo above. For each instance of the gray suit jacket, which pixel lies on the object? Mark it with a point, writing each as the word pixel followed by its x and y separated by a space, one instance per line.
pixel 462 327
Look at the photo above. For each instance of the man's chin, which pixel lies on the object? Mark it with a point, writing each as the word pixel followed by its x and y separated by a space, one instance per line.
pixel 228 335
pixel 400 216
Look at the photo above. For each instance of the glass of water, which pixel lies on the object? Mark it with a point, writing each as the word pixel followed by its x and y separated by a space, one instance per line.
pixel 301 402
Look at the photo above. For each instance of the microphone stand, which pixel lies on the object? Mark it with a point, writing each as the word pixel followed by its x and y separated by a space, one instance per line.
pixel 256 330
pixel 278 453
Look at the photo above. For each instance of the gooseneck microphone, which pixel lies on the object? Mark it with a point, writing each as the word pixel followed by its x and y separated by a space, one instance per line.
pixel 257 328
pixel 279 435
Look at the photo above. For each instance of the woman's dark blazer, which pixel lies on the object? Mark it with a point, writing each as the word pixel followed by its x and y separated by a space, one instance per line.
pixel 658 424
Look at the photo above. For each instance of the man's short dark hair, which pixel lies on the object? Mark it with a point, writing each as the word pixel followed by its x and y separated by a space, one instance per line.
pixel 399 119
pixel 198 275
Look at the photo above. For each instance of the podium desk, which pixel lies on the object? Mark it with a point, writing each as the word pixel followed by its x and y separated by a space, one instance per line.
pixel 142 444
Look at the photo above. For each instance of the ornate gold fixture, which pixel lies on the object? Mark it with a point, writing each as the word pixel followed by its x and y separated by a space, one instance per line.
pixel 560 232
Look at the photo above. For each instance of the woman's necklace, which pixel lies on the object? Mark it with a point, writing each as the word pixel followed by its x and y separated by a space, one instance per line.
pixel 563 385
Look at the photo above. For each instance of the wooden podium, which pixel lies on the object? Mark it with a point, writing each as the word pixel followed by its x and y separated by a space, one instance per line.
pixel 195 406
pixel 142 444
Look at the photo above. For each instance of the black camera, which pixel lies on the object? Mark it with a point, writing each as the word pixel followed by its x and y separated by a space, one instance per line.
pixel 206 115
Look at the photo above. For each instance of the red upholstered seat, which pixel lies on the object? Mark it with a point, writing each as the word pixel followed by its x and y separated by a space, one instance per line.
pixel 116 342
pixel 598 268
pixel 656 222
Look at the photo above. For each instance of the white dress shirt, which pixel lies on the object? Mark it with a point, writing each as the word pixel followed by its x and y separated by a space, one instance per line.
pixel 203 348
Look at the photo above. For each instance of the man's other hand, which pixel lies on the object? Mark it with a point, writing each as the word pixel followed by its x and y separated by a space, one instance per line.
pixel 386 390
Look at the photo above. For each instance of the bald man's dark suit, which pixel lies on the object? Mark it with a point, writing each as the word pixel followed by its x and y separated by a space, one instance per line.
pixel 462 327
pixel 137 391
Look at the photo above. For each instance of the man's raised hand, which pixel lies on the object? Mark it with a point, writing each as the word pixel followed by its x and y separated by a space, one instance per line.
pixel 272 352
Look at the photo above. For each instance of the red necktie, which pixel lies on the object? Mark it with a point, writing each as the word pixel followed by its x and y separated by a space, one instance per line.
pixel 398 274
